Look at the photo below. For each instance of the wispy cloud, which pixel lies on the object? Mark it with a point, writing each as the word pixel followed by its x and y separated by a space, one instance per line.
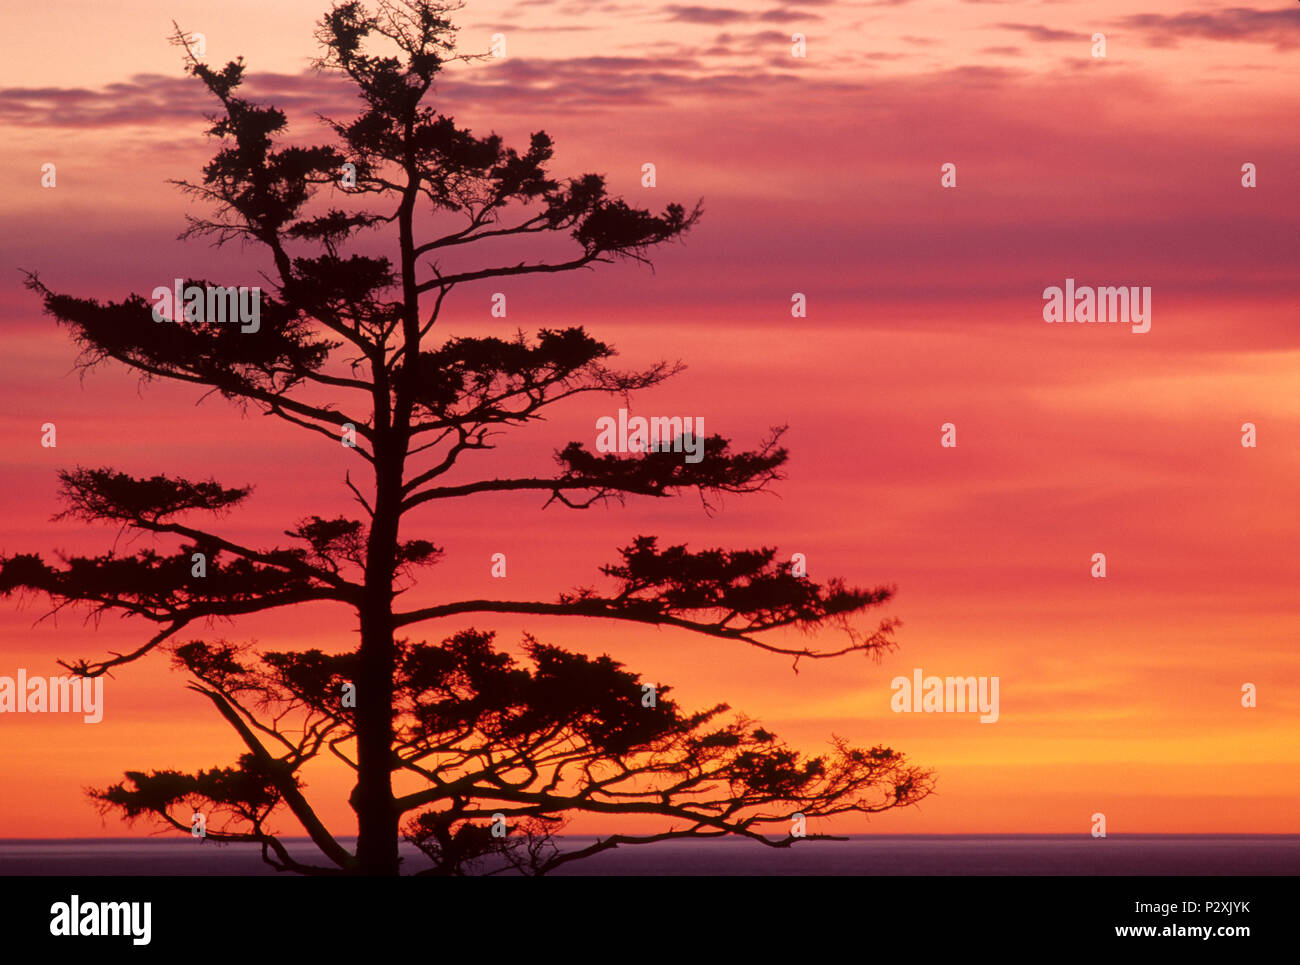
pixel 1039 32
pixel 709 15
pixel 1280 27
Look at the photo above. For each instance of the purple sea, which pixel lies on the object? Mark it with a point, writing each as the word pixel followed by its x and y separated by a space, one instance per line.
pixel 1118 854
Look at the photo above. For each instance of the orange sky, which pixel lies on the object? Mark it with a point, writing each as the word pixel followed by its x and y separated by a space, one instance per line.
pixel 818 176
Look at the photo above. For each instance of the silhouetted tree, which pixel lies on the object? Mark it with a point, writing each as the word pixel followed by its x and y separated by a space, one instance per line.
pixel 496 744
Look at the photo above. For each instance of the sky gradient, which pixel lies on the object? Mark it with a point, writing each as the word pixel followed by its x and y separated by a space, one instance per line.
pixel 818 175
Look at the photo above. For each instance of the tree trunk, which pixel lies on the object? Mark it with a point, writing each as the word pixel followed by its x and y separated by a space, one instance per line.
pixel 372 798
pixel 377 816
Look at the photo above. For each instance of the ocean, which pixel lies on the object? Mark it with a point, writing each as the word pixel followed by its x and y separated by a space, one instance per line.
pixel 973 854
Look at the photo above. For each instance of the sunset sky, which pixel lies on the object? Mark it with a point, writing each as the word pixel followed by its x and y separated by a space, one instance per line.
pixel 819 175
